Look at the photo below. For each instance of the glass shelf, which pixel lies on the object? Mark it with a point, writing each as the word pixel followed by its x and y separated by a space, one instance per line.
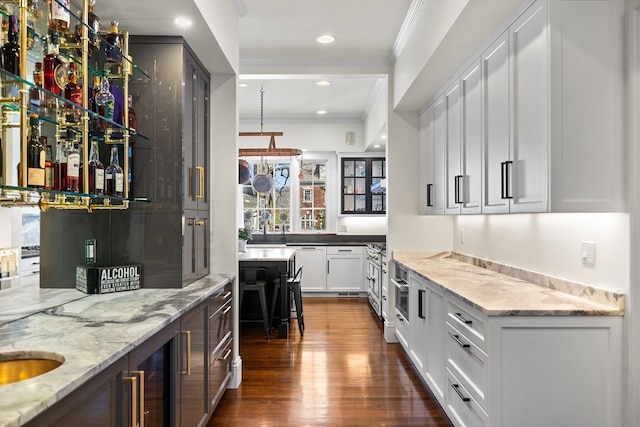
pixel 45 199
pixel 49 114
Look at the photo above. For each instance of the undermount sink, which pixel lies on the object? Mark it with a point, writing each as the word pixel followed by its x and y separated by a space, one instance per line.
pixel 20 366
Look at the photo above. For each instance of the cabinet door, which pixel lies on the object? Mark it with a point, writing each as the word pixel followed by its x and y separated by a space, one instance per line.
pixel 201 243
pixel 193 367
pixel 436 335
pixel 453 152
pixel 439 157
pixel 418 323
pixel 426 161
pixel 530 112
pixel 495 73
pixel 188 244
pixel 471 185
pixel 314 274
pixel 201 139
pixel 345 273
pixel 152 376
pixel 189 174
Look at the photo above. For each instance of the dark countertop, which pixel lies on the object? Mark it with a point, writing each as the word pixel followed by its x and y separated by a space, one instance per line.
pixel 316 239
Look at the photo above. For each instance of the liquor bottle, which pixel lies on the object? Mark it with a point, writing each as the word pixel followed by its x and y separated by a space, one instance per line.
pixel 114 176
pixel 11 49
pixel 35 94
pixel 93 24
pixel 105 102
pixel 48 166
pixel 52 68
pixel 113 49
pixel 36 155
pixel 96 170
pixel 59 15
pixel 73 163
pixel 60 168
pixel 94 121
pixel 133 121
pixel 73 92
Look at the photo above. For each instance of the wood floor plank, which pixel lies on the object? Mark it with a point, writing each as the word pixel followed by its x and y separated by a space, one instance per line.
pixel 341 373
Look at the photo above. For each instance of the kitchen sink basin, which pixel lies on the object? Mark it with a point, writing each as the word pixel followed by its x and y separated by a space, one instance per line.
pixel 20 366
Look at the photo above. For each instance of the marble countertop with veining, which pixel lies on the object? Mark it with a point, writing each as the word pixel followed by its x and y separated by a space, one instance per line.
pixel 497 294
pixel 90 332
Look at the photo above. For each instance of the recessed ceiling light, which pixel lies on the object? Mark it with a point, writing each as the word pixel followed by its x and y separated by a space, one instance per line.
pixel 325 38
pixel 384 137
pixel 182 21
pixel 242 85
pixel 323 83
pixel 376 146
pixel 321 112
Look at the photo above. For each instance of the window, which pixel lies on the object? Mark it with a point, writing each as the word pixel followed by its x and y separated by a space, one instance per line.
pixel 271 207
pixel 313 207
pixel 363 186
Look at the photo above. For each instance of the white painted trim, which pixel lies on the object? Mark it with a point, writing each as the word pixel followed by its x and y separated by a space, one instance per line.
pixel 407 27
pixel 632 317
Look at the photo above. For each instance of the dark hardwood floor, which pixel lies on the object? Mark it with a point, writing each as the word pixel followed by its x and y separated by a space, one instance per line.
pixel 341 373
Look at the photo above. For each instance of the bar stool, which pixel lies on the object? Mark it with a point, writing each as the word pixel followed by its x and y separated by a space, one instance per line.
pixel 255 279
pixel 293 287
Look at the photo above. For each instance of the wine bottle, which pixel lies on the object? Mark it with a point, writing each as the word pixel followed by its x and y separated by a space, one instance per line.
pixel 96 170
pixel 35 94
pixel 48 166
pixel 36 155
pixel 114 176
pixel 52 67
pixel 133 121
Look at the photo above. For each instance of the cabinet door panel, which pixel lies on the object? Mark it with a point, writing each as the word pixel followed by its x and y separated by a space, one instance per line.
pixel 314 277
pixel 193 366
pixel 201 140
pixel 452 149
pixel 530 111
pixel 346 273
pixel 471 92
pixel 189 174
pixel 426 160
pixel 439 142
pixel 495 71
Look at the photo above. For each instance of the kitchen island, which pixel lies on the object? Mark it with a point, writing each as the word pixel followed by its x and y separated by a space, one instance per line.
pixel 90 333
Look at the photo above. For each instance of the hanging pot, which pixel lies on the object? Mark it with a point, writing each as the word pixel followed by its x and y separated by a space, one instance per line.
pixel 263 182
pixel 244 174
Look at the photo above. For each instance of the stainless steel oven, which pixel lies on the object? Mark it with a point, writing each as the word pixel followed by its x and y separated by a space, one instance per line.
pixel 401 286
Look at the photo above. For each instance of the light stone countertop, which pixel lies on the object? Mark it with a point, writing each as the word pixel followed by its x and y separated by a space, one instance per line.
pixel 90 333
pixel 497 294
pixel 266 254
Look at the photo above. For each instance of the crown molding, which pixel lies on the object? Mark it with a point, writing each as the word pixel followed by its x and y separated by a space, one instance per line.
pixel 407 27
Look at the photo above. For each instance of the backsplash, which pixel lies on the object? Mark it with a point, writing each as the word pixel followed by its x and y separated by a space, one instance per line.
pixel 572 288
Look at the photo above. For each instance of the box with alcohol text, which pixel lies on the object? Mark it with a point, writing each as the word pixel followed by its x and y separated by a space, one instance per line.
pixel 106 280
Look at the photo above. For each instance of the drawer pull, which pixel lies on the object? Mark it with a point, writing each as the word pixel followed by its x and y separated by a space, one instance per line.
pixel 456 388
pixel 456 338
pixel 226 310
pixel 226 354
pixel 462 319
pixel 225 296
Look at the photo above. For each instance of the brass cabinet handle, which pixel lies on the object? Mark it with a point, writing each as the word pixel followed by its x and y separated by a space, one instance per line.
pixel 226 354
pixel 134 397
pixel 200 223
pixel 141 396
pixel 188 335
pixel 200 194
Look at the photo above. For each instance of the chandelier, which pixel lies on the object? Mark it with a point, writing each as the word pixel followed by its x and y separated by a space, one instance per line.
pixel 271 150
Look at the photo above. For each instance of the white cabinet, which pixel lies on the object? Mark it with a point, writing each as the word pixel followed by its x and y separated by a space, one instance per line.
pixel 545 104
pixel 434 371
pixel 29 269
pixel 418 321
pixel 314 273
pixel 385 289
pixel 432 155
pixel 345 269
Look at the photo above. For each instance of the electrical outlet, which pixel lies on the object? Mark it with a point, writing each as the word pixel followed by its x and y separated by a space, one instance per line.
pixel 342 228
pixel 588 253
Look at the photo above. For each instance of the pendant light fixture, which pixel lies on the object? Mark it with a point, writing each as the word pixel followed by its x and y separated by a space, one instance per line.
pixel 271 150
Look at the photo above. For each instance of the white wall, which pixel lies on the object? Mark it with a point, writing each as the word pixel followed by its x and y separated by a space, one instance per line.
pixel 551 244
pixel 6 228
pixel 377 116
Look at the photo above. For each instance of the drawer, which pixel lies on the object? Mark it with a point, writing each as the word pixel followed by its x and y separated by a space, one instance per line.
pixel 220 327
pixel 467 320
pixel 220 372
pixel 345 250
pixel 469 363
pixel 402 330
pixel 220 298
pixel 28 265
pixel 462 408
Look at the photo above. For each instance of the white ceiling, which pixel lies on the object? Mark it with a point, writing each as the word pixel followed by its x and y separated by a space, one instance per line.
pixel 280 35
